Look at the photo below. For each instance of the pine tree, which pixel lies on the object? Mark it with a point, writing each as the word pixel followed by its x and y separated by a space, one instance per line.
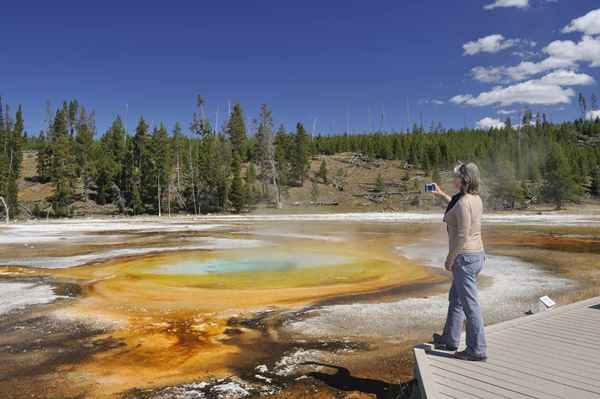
pixel 140 141
pixel 43 159
pixel 72 116
pixel 144 162
pixel 250 185
pixel 4 164
pixel 301 155
pixel 63 164
pixel 595 189
pixel 505 187
pixel 84 147
pixel 179 157
pixel 322 173
pixel 266 154
pixel 283 146
pixel 156 168
pixel 379 184
pixel 110 175
pixel 237 185
pixel 236 129
pixel 435 177
pixel 14 137
pixel 559 181
pixel 137 206
pixel 107 171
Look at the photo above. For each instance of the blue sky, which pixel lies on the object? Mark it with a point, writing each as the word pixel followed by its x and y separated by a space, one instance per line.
pixel 309 61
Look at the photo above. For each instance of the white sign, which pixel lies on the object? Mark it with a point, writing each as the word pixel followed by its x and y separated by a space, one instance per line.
pixel 548 303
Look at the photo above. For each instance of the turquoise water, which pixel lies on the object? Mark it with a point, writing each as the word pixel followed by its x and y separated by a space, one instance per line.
pixel 273 262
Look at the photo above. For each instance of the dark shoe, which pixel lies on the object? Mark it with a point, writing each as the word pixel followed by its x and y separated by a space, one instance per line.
pixel 464 355
pixel 440 343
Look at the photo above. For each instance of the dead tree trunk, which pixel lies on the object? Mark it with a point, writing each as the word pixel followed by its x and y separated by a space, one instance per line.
pixel 158 195
pixel 196 210
pixel 276 185
pixel 5 209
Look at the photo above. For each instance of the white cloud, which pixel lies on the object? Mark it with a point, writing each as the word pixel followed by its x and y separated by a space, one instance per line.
pixel 559 68
pixel 587 50
pixel 434 101
pixel 519 72
pixel 488 44
pixel 567 78
pixel 489 75
pixel 507 3
pixel 506 111
pixel 589 24
pixel 530 92
pixel 525 53
pixel 561 54
pixel 549 90
pixel 593 115
pixel 490 123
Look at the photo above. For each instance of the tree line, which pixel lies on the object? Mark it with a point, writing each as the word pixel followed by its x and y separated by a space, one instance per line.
pixel 204 168
pixel 155 170
pixel 532 161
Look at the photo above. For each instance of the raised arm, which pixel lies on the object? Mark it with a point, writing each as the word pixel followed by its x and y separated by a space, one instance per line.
pixel 440 193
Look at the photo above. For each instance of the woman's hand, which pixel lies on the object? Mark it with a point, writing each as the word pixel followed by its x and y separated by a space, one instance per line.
pixel 449 263
pixel 440 193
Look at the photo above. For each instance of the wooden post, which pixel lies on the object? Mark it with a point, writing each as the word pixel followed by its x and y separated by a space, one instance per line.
pixel 6 209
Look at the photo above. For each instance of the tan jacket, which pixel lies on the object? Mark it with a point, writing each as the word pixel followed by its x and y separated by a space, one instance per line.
pixel 464 226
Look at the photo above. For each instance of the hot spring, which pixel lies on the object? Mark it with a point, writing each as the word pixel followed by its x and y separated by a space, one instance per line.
pixel 268 262
pixel 169 301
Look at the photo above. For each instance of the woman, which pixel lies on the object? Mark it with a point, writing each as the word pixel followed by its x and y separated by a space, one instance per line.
pixel 465 260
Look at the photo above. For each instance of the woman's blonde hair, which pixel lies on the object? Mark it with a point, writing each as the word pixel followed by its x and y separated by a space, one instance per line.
pixel 469 176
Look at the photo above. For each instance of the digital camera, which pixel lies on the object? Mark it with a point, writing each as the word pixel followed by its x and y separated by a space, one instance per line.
pixel 430 187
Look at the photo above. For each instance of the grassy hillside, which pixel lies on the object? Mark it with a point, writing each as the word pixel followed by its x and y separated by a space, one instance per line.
pixel 350 186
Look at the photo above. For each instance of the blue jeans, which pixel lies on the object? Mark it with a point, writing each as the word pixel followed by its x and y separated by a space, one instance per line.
pixel 464 302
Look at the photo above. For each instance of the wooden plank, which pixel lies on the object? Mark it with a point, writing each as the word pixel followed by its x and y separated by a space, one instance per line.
pixel 558 385
pixel 548 333
pixel 577 373
pixel 561 333
pixel 480 379
pixel 482 390
pixel 567 326
pixel 560 365
pixel 542 345
pixel 552 357
pixel 587 318
pixel 426 380
pixel 542 315
pixel 464 389
pixel 587 382
pixel 584 320
pixel 517 337
pixel 581 322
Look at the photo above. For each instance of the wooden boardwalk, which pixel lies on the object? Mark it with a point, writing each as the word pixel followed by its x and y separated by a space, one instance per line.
pixel 549 355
